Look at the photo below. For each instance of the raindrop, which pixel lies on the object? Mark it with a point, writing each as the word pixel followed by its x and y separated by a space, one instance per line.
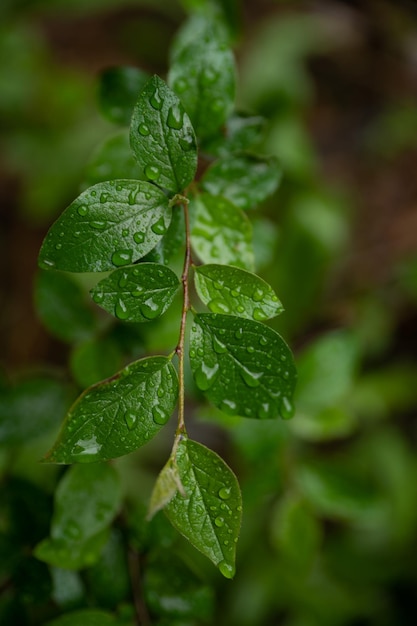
pixel 132 196
pixel 250 378
pixel 123 280
pixel 234 293
pixel 98 225
pixel 138 237
pixel 259 315
pixel 258 295
pixel 143 130
pixel 240 308
pixel 156 100
pixel 205 376
pixel 200 351
pixel 217 285
pixel 159 227
pixel 227 569
pixel 286 408
pixel 186 142
pixel 218 306
pixel 263 341
pixel 218 346
pixel 159 415
pixel 175 117
pixel 264 411
pixel 125 232
pixel 130 419
pixel 224 493
pixel 94 193
pixel 229 407
pixel 121 257
pixel 150 309
pixel 286 374
pixel 58 246
pixel 121 310
pixel 104 197
pixel 239 333
pixel 192 354
pixel 219 521
pixel 98 297
pixel 152 172
pixel 250 349
pixel 137 292
pixel 82 210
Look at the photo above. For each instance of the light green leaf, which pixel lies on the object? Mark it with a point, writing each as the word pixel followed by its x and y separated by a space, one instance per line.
pixel 63 307
pixel 166 486
pixel 137 293
pixel 162 137
pixel 113 160
pixel 244 180
pixel 119 415
pixel 86 501
pixel 203 75
pixel 85 617
pixel 118 91
pixel 107 226
pixel 243 367
pixel 220 232
pixel 209 516
pixel 233 291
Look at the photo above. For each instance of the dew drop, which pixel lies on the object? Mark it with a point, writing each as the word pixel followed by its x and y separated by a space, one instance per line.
pixel 132 196
pixel 224 493
pixel 218 306
pixel 218 346
pixel 125 232
pixel 286 374
pixel 251 379
pixel 98 225
pixel 156 101
pixel 205 376
pixel 240 308
pixel 159 227
pixel 77 233
pixel 263 341
pixel 121 257
pixel 58 246
pixel 234 293
pixel 286 408
pixel 138 237
pixel 175 117
pixel 121 310
pixel 123 280
pixel 143 130
pixel 159 415
pixel 98 297
pixel 239 333
pixel 152 172
pixel 264 411
pixel 192 353
pixel 137 292
pixel 200 351
pixel 258 295
pixel 82 210
pixel 94 193
pixel 150 309
pixel 103 197
pixel 227 569
pixel 259 315
pixel 229 407
pixel 130 419
pixel 217 285
pixel 219 521
pixel 186 142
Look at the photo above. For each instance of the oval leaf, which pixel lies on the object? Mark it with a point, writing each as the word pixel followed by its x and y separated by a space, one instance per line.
pixel 233 291
pixel 162 137
pixel 137 293
pixel 209 515
pixel 118 91
pixel 119 415
pixel 220 232
pixel 244 180
pixel 113 160
pixel 244 367
pixel 107 226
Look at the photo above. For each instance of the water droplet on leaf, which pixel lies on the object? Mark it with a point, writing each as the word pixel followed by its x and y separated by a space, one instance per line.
pixel 258 295
pixel 259 315
pixel 218 346
pixel 138 237
pixel 152 172
pixel 121 310
pixel 224 493
pixel 121 257
pixel 104 197
pixel 98 225
pixel 82 210
pixel 286 408
pixel 205 376
pixel 143 130
pixel 150 309
pixel 159 227
pixel 130 419
pixel 160 416
pixel 227 569
pixel 219 306
pixel 250 378
pixel 155 100
pixel 175 117
pixel 219 521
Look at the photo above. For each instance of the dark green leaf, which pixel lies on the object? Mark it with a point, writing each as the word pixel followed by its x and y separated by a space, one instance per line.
pixel 233 291
pixel 71 554
pixel 162 137
pixel 31 408
pixel 172 242
pixel 108 579
pixel 203 75
pixel 119 415
pixel 244 180
pixel 137 293
pixel 220 232
pixel 85 617
pixel 95 360
pixel 209 516
pixel 244 367
pixel 241 132
pixel 118 91
pixel 113 160
pixel 107 226
pixel 63 307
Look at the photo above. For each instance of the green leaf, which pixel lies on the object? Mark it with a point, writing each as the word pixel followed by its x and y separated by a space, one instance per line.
pixel 118 91
pixel 63 307
pixel 209 516
pixel 233 291
pixel 137 293
pixel 203 75
pixel 243 367
pixel 244 180
pixel 94 360
pixel 166 486
pixel 85 617
pixel 107 226
pixel 172 242
pixel 241 132
pixel 119 415
pixel 82 515
pixel 162 137
pixel 113 160
pixel 220 232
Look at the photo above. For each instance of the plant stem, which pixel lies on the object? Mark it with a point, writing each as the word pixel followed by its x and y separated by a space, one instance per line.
pixel 142 616
pixel 179 350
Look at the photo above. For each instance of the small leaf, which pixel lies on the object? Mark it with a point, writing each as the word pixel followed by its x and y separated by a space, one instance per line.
pixel 172 243
pixel 244 180
pixel 107 226
pixel 118 91
pixel 85 617
pixel 113 160
pixel 203 75
pixel 233 291
pixel 166 486
pixel 162 137
pixel 241 132
pixel 220 232
pixel 137 293
pixel 71 555
pixel 209 516
pixel 95 360
pixel 119 415
pixel 243 367
pixel 63 307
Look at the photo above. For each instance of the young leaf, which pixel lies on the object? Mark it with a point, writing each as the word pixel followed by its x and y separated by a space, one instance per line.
pixel 119 415
pixel 166 486
pixel 162 137
pixel 118 91
pixel 233 291
pixel 209 515
pixel 107 226
pixel 243 367
pixel 113 160
pixel 220 232
pixel 244 180
pixel 203 75
pixel 137 293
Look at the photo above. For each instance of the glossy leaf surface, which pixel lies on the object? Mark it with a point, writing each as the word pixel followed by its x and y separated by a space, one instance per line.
pixel 109 225
pixel 118 91
pixel 119 415
pixel 244 180
pixel 162 137
pixel 209 515
pixel 137 293
pixel 220 232
pixel 232 291
pixel 243 367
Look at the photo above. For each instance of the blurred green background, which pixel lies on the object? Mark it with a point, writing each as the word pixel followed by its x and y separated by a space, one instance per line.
pixel 329 535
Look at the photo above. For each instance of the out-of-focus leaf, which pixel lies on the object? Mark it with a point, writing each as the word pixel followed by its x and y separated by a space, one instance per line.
pixel 119 89
pixel 113 160
pixel 95 360
pixel 85 617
